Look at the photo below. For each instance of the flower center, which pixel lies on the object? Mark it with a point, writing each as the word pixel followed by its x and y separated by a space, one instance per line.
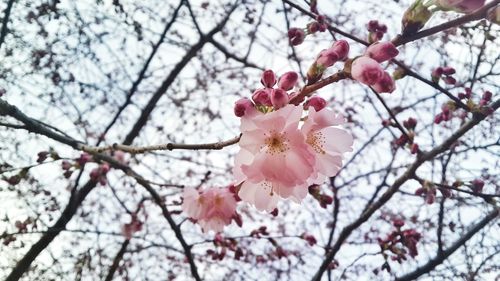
pixel 276 143
pixel 316 141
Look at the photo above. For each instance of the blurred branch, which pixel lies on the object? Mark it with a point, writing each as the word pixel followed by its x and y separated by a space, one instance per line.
pixel 409 174
pixel 146 111
pixel 5 21
pixel 77 198
pixel 142 73
pixel 75 201
pixel 432 263
pixel 117 259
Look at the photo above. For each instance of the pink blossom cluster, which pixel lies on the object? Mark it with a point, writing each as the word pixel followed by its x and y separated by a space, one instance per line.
pixel 283 153
pixel 376 31
pixel 211 208
pixel 399 243
pixel 367 69
pixel 327 58
pixel 444 73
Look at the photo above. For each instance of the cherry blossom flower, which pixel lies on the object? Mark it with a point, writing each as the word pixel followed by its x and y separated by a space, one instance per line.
pixel 278 147
pixel 327 142
pixel 212 208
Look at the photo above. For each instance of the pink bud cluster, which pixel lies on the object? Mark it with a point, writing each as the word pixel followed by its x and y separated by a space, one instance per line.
pixel 376 31
pixel 211 208
pixel 428 191
pixel 444 73
pixel 323 199
pixel 99 174
pixel 327 58
pixel 296 36
pixel 135 225
pixel 268 96
pixel 477 185
pixel 398 244
pixel 318 25
pixel 367 69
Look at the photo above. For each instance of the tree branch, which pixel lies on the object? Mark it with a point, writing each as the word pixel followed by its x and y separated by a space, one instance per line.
pixel 437 260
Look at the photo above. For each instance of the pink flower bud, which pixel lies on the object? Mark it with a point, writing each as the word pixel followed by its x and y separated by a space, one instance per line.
pixel 94 174
pixel 385 85
pixel 448 70
pixel 279 98
pixel 341 47
pixel 65 165
pixel 414 148
pixel 382 51
pixel 398 222
pixel 296 36
pixel 268 78
pixel 450 80
pixel 366 70
pixel 313 27
pixel 487 96
pixel 372 26
pixel 460 6
pixel 104 168
pixel 243 106
pixel 262 97
pixel 477 185
pixel 288 80
pixel 327 58
pixel 318 103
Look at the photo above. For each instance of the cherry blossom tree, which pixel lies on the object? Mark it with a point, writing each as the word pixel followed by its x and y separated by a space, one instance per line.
pixel 249 140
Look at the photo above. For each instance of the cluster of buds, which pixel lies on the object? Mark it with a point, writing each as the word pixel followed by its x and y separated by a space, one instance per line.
pixel 268 97
pixel 297 35
pixel 222 245
pixel 135 225
pixel 446 113
pixel 99 174
pixel 323 199
pixel 309 238
pixel 376 31
pixel 16 179
pixel 398 244
pixel 477 185
pixel 410 125
pixel 444 73
pixel 22 226
pixel 83 159
pixel 318 25
pixel 261 231
pixel 367 69
pixel 327 58
pixel 485 98
pixel 428 191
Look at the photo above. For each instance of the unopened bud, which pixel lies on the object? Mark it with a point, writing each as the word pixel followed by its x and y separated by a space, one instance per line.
pixel 382 51
pixel 268 78
pixel 288 80
pixel 318 103
pixel 279 98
